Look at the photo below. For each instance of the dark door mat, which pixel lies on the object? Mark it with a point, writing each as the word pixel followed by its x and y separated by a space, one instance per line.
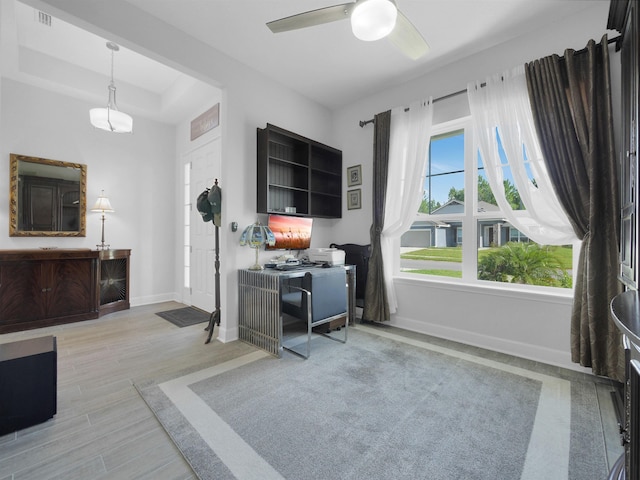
pixel 183 317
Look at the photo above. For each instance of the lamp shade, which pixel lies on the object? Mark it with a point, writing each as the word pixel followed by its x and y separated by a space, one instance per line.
pixel 256 235
pixel 102 205
pixel 373 19
pixel 111 120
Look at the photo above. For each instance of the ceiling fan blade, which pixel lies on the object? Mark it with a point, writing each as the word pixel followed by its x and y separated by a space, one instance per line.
pixel 407 38
pixel 311 18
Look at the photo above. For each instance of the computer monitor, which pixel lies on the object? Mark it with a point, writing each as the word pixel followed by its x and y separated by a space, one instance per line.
pixel 292 233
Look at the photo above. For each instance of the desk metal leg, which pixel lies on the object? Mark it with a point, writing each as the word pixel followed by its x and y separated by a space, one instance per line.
pixel 351 291
pixel 259 304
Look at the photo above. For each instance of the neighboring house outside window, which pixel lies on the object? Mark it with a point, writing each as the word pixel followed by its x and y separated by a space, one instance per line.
pixel 455 230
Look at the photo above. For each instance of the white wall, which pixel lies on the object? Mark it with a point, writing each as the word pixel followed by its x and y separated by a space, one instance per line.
pixel 533 326
pixel 135 171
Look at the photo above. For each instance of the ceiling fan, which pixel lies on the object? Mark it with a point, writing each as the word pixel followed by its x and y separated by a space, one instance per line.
pixel 370 20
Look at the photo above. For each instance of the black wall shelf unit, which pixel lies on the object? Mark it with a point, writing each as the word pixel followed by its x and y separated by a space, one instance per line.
pixel 294 171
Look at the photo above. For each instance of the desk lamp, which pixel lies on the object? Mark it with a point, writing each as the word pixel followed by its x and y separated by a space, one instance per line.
pixel 256 235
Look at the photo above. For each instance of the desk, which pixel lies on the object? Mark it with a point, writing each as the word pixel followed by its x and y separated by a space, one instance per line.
pixel 260 304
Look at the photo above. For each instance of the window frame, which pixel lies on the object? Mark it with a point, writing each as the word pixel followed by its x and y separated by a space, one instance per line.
pixel 470 219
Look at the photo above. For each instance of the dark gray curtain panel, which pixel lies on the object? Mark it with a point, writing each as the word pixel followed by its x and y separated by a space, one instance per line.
pixel 571 102
pixel 376 304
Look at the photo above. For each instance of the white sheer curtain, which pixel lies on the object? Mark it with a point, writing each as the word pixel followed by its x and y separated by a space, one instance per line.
pixel 501 108
pixel 408 152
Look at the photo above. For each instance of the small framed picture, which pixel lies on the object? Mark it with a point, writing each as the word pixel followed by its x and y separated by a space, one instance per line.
pixel 354 176
pixel 354 200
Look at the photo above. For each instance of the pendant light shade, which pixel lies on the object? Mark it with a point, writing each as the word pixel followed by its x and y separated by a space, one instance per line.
pixel 109 118
pixel 373 19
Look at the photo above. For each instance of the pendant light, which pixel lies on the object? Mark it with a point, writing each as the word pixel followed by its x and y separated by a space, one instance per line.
pixel 373 19
pixel 109 118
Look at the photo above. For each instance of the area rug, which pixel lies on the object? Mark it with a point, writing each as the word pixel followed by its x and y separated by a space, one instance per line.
pixel 184 317
pixel 381 406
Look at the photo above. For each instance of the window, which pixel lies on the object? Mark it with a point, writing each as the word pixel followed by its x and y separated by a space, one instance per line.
pixel 459 230
pixel 445 172
pixel 187 225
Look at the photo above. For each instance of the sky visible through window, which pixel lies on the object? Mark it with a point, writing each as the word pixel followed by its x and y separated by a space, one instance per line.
pixel 447 155
pixel 447 166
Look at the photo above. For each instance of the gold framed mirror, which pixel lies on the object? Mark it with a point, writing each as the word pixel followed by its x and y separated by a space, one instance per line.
pixel 47 198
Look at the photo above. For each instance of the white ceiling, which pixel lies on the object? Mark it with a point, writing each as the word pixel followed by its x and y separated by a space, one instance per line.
pixel 328 64
pixel 325 63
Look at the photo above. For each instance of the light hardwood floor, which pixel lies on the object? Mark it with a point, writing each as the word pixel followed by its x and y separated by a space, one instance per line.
pixel 103 429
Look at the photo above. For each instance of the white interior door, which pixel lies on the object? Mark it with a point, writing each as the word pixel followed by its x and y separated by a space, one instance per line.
pixel 205 168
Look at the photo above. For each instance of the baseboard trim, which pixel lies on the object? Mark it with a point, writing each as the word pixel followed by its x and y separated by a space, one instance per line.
pixel 536 353
pixel 151 299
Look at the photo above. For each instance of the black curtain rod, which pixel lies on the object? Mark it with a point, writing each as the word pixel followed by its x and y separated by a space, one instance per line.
pixel 449 95
pixel 460 92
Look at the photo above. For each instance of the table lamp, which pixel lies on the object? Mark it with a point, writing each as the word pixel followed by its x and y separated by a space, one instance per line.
pixel 102 205
pixel 256 235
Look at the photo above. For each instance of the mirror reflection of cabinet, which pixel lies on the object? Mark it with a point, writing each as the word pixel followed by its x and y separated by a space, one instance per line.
pixel 48 204
pixel 37 205
pixel 47 198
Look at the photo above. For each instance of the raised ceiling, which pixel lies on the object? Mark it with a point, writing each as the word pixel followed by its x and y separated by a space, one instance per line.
pixel 47 52
pixel 325 63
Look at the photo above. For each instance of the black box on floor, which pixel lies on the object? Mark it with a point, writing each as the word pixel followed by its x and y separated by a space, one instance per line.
pixel 28 381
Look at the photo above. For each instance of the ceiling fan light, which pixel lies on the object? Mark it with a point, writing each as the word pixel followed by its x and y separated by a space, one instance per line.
pixel 373 19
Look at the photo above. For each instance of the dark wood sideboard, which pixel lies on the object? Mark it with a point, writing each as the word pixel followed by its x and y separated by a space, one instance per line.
pixel 113 281
pixel 40 288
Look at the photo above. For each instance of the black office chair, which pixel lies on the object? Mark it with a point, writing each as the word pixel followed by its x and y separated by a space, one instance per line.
pixel 357 255
pixel 321 299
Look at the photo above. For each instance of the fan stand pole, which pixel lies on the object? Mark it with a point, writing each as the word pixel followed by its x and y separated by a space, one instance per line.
pixel 214 319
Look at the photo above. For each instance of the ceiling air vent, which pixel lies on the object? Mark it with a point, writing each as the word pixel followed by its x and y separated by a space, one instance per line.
pixel 44 18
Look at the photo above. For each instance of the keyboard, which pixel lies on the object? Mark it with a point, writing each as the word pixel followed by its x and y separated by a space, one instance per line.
pixel 288 266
